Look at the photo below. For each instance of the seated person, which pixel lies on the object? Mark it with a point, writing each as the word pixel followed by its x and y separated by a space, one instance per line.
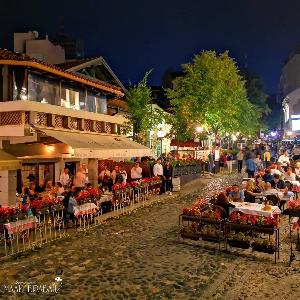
pixel 269 189
pixel 41 187
pixel 105 177
pixel 31 192
pixel 236 195
pixel 250 192
pixel 259 184
pixel 278 183
pixel 59 189
pixel 297 170
pixel 289 175
pixel 275 169
pixel 223 201
pixel 49 187
pixel 268 177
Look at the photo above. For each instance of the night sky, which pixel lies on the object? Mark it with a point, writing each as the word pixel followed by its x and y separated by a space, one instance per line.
pixel 136 35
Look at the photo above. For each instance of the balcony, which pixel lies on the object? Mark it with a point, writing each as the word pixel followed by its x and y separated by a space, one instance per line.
pixel 18 117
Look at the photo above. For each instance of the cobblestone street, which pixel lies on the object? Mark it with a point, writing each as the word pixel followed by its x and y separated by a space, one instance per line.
pixel 140 256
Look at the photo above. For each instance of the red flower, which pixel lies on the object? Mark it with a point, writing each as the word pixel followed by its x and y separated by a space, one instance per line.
pixel 252 219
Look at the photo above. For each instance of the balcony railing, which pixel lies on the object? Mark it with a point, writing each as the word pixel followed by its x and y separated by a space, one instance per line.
pixel 13 114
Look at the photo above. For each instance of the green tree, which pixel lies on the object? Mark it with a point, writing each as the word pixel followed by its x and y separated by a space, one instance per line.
pixel 141 115
pixel 257 95
pixel 212 92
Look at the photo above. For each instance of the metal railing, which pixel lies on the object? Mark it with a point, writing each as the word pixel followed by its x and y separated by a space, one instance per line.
pixel 54 223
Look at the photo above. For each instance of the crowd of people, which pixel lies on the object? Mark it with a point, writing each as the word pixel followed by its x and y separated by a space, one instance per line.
pixel 106 179
pixel 118 175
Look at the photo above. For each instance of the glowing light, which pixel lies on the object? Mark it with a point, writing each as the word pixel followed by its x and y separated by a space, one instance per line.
pixel 50 149
pixel 234 138
pixel 289 133
pixel 199 129
pixel 161 134
pixel 273 133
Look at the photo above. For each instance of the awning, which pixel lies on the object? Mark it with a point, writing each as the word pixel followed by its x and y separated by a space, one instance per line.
pixel 8 162
pixel 88 145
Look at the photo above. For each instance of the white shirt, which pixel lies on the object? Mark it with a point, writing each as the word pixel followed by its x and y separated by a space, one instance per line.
pixel 64 178
pixel 275 171
pixel 103 173
pixel 136 173
pixel 124 175
pixel 297 171
pixel 291 177
pixel 284 160
pixel 158 170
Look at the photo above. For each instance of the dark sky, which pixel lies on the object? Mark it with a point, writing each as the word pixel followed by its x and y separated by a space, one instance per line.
pixel 137 35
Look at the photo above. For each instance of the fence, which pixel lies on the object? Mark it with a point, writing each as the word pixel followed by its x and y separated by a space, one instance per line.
pixel 53 223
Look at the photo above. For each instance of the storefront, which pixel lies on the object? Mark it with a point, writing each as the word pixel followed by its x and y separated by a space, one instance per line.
pixel 8 178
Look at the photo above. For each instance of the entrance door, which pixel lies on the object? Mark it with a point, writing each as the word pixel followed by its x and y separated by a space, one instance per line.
pixel 71 165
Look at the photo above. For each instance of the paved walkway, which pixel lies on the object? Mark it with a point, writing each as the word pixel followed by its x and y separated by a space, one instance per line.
pixel 139 256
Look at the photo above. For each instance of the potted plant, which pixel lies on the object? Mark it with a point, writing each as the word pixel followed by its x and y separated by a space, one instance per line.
pixel 263 245
pixel 5 214
pixel 239 240
pixel 190 232
pixel 210 233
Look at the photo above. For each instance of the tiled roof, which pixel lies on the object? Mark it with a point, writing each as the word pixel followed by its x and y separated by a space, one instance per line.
pixel 12 58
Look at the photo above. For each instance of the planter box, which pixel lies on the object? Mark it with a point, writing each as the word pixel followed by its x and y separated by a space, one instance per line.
pixel 190 236
pixel 246 227
pixel 260 248
pixel 21 216
pixel 3 220
pixel 210 239
pixel 239 244
pixel 57 207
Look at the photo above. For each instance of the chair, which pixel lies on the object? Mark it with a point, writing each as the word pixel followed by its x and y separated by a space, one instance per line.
pixel 274 199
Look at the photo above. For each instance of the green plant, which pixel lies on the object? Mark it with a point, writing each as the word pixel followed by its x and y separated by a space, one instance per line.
pixel 239 237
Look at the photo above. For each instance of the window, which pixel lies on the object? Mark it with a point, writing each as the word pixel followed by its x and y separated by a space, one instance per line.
pixel 43 89
pixel 101 106
pixel 70 97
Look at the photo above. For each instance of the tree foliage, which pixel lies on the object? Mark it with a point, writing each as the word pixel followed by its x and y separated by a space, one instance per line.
pixel 212 93
pixel 256 95
pixel 141 115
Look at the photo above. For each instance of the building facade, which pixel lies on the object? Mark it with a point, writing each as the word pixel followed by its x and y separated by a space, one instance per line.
pixel 289 94
pixel 51 118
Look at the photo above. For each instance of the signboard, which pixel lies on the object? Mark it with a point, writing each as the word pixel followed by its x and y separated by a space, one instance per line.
pixel 201 154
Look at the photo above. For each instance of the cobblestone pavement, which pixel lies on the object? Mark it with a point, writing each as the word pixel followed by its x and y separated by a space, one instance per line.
pixel 139 256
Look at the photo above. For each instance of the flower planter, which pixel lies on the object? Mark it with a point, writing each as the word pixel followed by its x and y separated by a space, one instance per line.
pixel 191 236
pixel 43 211
pixel 21 216
pixel 57 207
pixel 3 220
pixel 239 244
pixel 212 239
pixel 263 248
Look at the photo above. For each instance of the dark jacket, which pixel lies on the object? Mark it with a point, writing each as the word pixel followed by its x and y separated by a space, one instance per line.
pixel 168 172
pixel 279 185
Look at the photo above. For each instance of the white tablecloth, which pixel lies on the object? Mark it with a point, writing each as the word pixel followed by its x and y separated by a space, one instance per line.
pixel 85 209
pixel 106 198
pixel 21 225
pixel 254 209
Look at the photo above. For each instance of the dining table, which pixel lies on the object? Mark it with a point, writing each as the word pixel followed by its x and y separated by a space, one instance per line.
pixel 255 209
